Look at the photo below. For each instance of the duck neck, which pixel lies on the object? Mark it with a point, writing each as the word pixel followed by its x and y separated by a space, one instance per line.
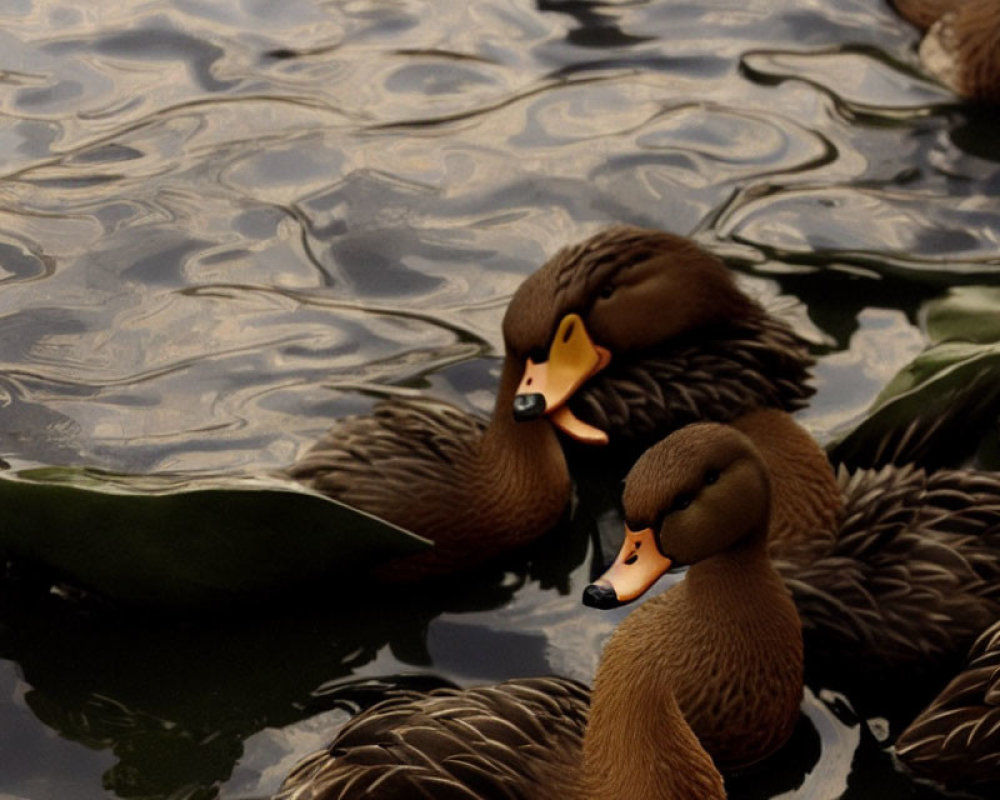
pixel 520 470
pixel 745 639
pixel 740 577
pixel 507 488
pixel 806 501
pixel 638 744
pixel 519 448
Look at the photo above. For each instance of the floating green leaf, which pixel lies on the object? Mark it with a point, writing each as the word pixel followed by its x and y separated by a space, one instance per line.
pixel 937 410
pixel 966 313
pixel 187 541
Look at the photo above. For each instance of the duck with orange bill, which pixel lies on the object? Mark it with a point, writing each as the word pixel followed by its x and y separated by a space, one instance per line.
pixel 729 633
pixel 619 339
pixel 710 671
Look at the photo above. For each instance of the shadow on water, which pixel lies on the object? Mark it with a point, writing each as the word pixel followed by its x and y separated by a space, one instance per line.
pixel 174 700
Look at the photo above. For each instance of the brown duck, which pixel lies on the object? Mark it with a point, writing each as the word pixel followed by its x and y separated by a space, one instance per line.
pixel 895 564
pixel 910 550
pixel 625 337
pixel 630 334
pixel 962 44
pixel 721 650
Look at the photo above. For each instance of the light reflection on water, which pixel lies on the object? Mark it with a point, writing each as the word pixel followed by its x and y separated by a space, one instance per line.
pixel 224 224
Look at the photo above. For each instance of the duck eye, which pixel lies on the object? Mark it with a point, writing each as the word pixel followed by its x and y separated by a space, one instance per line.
pixel 606 291
pixel 712 476
pixel 682 501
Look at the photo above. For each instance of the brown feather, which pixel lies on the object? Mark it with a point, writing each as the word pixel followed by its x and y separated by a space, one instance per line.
pixel 957 738
pixel 913 574
pixel 518 740
pixel 962 45
pixel 475 489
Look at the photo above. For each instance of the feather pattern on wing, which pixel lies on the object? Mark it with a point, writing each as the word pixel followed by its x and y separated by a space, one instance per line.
pixel 913 575
pixel 716 375
pixel 501 742
pixel 958 735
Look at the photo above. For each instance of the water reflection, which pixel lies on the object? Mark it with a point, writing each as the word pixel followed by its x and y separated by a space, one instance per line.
pixel 174 701
pixel 224 224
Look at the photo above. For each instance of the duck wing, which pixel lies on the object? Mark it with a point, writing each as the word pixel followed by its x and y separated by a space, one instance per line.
pixel 367 461
pixel 956 740
pixel 714 375
pixel 502 742
pixel 912 576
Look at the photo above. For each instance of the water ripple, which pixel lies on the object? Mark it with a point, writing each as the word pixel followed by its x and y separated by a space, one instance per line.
pixel 224 224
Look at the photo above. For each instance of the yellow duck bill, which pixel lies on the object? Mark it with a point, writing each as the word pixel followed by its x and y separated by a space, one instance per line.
pixel 638 565
pixel 547 386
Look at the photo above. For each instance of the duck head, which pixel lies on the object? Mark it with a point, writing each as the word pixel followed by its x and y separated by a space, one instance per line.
pixel 616 294
pixel 701 491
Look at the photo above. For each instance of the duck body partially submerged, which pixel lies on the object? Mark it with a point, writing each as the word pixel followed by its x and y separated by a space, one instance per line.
pixel 895 571
pixel 624 337
pixel 476 488
pixel 714 664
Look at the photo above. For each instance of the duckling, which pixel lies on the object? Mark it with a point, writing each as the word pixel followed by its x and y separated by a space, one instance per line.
pixel 962 43
pixel 625 336
pixel 719 654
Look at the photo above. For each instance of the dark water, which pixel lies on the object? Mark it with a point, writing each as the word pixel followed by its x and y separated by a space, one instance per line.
pixel 223 224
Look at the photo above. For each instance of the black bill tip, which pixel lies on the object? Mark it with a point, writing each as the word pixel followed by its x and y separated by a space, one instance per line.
pixel 528 406
pixel 597 596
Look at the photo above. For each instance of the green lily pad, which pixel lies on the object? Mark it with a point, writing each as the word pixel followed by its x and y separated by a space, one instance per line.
pixel 178 541
pixel 966 313
pixel 937 410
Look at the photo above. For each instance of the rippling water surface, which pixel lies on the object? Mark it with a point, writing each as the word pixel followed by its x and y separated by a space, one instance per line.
pixel 223 224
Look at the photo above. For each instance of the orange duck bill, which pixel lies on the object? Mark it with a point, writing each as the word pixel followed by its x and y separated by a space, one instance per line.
pixel 637 567
pixel 547 386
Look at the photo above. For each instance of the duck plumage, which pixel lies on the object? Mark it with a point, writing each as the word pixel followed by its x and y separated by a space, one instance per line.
pixel 956 740
pixel 718 656
pixel 665 335
pixel 913 574
pixel 476 488
pixel 499 741
pixel 962 43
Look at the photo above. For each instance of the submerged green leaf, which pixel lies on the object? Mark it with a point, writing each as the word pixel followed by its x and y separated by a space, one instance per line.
pixel 170 540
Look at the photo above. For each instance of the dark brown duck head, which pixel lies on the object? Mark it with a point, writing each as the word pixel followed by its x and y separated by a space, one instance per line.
pixel 635 332
pixel 702 491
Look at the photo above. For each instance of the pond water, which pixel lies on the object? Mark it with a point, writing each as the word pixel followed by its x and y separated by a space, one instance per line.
pixel 224 224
